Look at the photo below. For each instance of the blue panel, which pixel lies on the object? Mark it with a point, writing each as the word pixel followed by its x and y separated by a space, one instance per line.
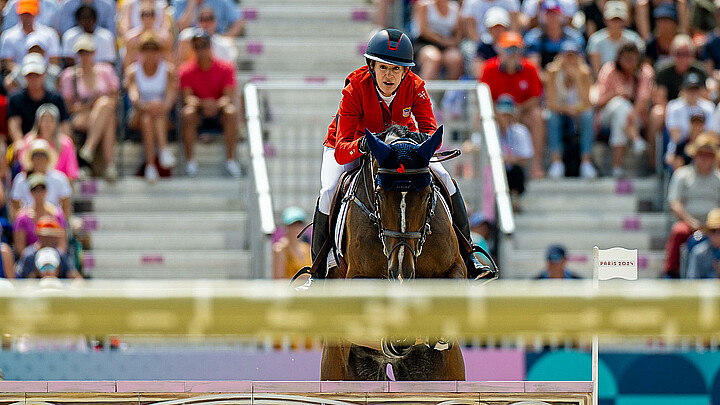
pixel 662 374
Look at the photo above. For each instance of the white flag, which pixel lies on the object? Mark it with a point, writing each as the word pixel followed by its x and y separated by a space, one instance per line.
pixel 616 263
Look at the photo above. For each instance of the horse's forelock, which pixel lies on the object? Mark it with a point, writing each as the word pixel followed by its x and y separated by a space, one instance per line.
pixel 402 133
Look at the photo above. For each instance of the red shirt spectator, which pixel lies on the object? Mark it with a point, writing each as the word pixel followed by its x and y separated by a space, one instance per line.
pixel 361 108
pixel 207 83
pixel 522 85
pixel 3 117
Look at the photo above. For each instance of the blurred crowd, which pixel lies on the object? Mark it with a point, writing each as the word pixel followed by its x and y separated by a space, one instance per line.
pixel 76 73
pixel 592 88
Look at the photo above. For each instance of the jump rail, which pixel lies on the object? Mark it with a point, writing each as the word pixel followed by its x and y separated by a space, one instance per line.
pixel 295 392
pixel 365 309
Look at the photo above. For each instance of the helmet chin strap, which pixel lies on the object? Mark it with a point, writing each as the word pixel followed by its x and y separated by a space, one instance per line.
pixel 372 73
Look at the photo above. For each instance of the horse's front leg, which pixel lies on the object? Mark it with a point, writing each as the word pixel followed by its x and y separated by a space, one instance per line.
pixel 457 270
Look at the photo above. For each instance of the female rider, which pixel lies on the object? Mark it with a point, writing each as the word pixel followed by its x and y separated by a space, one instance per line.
pixel 376 96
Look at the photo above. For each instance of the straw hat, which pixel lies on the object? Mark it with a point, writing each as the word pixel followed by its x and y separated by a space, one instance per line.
pixel 705 142
pixel 39 145
pixel 713 220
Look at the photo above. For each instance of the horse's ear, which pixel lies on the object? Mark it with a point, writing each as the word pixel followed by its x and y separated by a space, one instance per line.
pixel 378 148
pixel 427 149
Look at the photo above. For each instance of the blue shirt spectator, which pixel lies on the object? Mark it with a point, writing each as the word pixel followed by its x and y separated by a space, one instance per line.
pixel 228 17
pixel 65 16
pixel 711 50
pixel 556 261
pixel 704 258
pixel 48 8
pixel 538 43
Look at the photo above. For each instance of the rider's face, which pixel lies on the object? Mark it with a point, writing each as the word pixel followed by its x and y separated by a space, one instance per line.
pixel 388 77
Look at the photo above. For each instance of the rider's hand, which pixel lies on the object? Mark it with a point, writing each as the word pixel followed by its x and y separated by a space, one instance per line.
pixel 362 146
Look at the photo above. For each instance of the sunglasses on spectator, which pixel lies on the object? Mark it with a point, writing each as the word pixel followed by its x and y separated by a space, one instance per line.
pixel 147 14
pixel 206 18
pixel 40 187
pixel 714 230
pixel 513 50
pixel 47 269
pixel 683 54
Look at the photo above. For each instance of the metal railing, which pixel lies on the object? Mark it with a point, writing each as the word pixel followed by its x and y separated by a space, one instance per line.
pixel 261 217
pixel 290 144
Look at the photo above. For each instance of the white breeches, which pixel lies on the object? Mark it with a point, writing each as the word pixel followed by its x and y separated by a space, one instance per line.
pixel 331 171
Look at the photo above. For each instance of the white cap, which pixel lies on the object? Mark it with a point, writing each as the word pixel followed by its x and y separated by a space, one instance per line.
pixel 34 39
pixel 615 9
pixel 47 258
pixel 497 16
pixel 84 42
pixel 33 63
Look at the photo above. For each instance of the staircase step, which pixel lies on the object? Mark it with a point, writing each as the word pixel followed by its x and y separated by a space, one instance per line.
pixel 600 186
pixel 201 260
pixel 159 240
pixel 562 204
pixel 528 263
pixel 288 12
pixel 190 203
pixel 596 221
pixel 305 3
pixel 173 186
pixel 241 271
pixel 165 221
pixel 581 239
pixel 342 28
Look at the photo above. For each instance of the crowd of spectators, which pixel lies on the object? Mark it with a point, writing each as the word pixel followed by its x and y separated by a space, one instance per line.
pixel 73 73
pixel 610 87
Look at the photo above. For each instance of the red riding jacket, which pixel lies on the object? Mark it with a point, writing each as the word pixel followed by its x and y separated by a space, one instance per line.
pixel 361 107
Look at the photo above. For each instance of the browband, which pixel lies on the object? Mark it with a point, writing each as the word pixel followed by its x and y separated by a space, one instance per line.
pixel 422 170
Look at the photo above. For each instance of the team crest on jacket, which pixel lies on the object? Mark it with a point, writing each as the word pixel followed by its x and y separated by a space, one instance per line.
pixel 406 112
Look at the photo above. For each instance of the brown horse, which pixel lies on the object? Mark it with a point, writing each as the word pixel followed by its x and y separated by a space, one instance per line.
pixel 397 229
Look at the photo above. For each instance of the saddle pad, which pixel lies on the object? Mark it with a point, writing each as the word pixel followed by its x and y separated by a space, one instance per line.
pixel 340 223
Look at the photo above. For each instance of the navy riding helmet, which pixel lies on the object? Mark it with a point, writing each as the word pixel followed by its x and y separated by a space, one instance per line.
pixel 390 46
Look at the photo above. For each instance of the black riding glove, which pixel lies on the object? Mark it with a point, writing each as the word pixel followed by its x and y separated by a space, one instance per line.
pixel 362 146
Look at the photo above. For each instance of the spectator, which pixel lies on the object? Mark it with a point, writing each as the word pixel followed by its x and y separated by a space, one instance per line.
pixel 694 190
pixel 497 21
pixel 556 265
pixel 532 16
pixel 704 258
pixel 40 158
pixel 131 16
pixel 516 145
pixel 46 13
pixel 545 42
pixel 437 31
pixel 43 259
pixel 668 78
pixel 90 90
pixel 15 80
pixel 511 73
pixel 148 25
pixel 623 95
pixel 66 16
pixel 603 45
pixel 670 75
pixel 230 21
pixel 290 253
pixel 644 23
pixel 480 230
pixel 208 91
pixel 568 98
pixel 47 127
pixel 104 40
pixel 25 220
pixel 594 21
pixel 657 48
pixel 13 41
pixel 676 155
pixel 23 105
pixel 473 12
pixel 152 90
pixel 222 46
pixel 679 112
pixel 710 52
pixel 7 261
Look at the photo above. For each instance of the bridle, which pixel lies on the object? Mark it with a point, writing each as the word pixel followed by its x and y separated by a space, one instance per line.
pixel 374 212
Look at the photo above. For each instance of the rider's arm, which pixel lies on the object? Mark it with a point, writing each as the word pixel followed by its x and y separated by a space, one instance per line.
pixel 346 146
pixel 422 110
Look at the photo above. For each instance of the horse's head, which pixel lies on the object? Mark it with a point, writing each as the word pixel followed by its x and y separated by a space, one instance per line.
pixel 404 198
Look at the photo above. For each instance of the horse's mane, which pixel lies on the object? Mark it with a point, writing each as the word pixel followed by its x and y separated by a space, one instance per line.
pixel 396 132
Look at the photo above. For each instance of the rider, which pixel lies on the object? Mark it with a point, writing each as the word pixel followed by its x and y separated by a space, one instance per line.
pixel 376 96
